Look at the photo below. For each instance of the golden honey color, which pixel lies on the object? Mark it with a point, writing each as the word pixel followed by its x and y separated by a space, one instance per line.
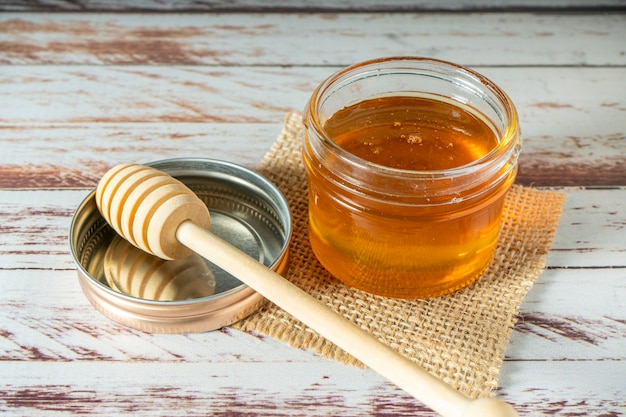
pixel 403 250
pixel 409 161
pixel 412 133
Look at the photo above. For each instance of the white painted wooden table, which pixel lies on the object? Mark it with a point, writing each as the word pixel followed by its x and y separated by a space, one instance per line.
pixel 82 91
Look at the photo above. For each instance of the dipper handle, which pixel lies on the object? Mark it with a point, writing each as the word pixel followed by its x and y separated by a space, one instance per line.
pixel 413 379
pixel 162 216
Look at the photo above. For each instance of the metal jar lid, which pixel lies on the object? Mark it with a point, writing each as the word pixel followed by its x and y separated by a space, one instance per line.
pixel 144 292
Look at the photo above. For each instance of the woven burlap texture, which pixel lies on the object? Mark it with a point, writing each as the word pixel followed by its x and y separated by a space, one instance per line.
pixel 462 337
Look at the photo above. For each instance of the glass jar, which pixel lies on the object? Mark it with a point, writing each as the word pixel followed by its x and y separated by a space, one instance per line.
pixel 425 223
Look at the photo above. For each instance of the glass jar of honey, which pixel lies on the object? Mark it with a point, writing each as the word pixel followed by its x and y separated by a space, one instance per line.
pixel 408 162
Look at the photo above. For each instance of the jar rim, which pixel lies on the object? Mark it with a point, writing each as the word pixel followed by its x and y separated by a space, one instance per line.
pixel 509 134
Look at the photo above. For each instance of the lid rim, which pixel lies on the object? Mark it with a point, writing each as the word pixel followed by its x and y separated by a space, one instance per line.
pixel 190 315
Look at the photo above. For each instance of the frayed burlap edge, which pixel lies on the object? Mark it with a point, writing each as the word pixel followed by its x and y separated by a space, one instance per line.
pixel 462 337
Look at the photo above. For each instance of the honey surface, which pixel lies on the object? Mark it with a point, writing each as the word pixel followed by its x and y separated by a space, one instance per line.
pixel 416 251
pixel 412 133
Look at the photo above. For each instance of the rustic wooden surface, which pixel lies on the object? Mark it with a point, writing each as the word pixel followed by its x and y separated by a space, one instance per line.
pixel 82 91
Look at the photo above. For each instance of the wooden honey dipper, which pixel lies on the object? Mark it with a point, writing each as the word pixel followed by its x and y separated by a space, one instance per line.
pixel 160 215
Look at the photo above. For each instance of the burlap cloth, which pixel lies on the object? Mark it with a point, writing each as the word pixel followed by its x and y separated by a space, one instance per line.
pixel 460 337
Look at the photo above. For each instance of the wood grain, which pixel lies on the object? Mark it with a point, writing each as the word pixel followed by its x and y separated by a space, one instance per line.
pixel 301 5
pixel 62 326
pixel 203 389
pixel 182 111
pixel 65 337
pixel 582 241
pixel 81 92
pixel 34 233
pixel 222 389
pixel 324 39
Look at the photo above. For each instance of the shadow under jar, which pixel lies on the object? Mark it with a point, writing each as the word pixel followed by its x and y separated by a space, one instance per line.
pixel 409 160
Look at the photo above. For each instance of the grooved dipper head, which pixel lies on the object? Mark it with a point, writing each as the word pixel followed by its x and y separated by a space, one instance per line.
pixel 146 206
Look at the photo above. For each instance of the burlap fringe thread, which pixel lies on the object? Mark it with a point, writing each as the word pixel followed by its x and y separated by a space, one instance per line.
pixel 462 337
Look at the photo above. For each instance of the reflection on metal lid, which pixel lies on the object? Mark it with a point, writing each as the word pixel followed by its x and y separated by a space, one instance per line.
pixel 136 273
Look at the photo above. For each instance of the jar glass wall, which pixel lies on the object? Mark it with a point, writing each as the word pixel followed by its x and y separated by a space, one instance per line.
pixel 409 160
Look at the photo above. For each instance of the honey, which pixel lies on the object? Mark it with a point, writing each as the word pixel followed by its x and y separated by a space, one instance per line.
pixel 406 187
pixel 410 132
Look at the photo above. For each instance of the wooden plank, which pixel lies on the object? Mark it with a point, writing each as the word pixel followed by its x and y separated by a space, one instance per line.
pixel 572 139
pixel 38 156
pixel 51 320
pixel 52 352
pixel 573 160
pixel 205 388
pixel 34 230
pixel 311 39
pixel 296 389
pixel 552 325
pixel 53 345
pixel 301 5
pixel 583 238
pixel 565 388
pixel 34 233
pixel 549 106
pixel 159 94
